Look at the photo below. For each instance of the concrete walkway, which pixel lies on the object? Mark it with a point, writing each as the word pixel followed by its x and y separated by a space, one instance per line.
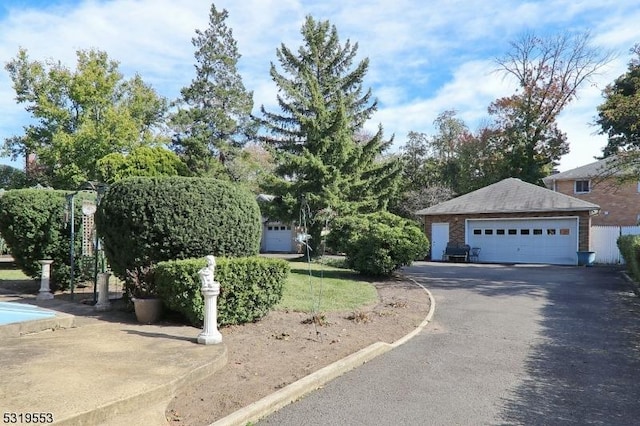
pixel 507 345
pixel 107 369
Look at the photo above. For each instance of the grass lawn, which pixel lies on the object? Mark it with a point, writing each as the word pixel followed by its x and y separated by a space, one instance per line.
pixel 327 289
pixel 10 274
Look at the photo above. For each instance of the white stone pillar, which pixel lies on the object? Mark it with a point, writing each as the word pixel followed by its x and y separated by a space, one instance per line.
pixel 103 292
pixel 210 333
pixel 45 290
pixel 210 291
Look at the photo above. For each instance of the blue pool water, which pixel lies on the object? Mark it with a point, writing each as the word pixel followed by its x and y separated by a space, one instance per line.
pixel 18 312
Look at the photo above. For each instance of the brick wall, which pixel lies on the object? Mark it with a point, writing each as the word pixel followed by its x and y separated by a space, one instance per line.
pixel 619 201
pixel 457 224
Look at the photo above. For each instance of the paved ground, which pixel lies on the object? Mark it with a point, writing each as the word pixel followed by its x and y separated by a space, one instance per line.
pixel 106 370
pixel 508 345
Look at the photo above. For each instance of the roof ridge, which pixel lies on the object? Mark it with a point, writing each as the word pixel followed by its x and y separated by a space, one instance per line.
pixel 510 195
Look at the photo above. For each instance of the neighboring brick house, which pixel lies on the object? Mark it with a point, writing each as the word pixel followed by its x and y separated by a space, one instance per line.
pixel 601 183
pixel 512 221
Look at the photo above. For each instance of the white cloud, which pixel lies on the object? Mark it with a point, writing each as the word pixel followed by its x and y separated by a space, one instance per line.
pixel 425 57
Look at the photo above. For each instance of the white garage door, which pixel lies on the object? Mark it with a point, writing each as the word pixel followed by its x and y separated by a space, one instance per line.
pixel 278 238
pixel 553 240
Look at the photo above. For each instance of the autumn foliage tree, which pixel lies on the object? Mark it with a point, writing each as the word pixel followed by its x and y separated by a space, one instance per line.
pixel 549 72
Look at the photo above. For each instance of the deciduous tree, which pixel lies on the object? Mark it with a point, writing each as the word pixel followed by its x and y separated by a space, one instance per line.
pixel 619 114
pixel 141 161
pixel 12 178
pixel 549 72
pixel 80 115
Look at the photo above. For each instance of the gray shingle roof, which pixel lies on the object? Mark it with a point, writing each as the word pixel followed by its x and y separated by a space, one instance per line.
pixel 509 196
pixel 601 168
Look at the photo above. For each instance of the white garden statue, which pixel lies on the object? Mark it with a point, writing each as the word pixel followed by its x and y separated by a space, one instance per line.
pixel 210 291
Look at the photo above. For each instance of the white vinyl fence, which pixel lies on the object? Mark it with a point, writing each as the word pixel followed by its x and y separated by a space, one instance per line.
pixel 603 242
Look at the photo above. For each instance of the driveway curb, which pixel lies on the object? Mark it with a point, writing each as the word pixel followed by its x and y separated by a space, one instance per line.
pixel 634 284
pixel 298 389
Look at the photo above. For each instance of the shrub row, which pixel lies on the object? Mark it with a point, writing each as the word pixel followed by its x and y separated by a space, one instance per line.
pixel 250 287
pixel 34 224
pixel 144 221
pixel 377 243
pixel 629 246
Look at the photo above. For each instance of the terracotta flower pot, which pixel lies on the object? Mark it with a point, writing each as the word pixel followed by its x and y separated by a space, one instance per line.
pixel 147 311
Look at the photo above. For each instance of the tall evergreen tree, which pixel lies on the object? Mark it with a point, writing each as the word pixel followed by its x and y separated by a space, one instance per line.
pixel 213 120
pixel 322 160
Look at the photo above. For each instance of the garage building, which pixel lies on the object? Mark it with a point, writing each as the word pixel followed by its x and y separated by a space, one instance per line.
pixel 512 221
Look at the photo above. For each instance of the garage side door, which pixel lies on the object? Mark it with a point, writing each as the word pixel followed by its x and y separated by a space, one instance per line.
pixel 553 241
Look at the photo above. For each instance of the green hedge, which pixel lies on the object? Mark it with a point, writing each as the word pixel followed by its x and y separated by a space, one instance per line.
pixel 32 222
pixel 629 246
pixel 250 287
pixel 377 243
pixel 144 221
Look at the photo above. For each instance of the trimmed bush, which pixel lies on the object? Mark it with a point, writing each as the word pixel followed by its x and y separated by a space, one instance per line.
pixel 629 246
pixel 33 224
pixel 144 221
pixel 250 287
pixel 377 244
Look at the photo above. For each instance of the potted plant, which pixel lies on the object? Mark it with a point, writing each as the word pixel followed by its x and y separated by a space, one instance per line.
pixel 140 286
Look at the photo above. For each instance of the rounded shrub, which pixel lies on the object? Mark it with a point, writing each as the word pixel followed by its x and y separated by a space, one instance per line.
pixel 377 244
pixel 629 246
pixel 145 220
pixel 34 224
pixel 249 287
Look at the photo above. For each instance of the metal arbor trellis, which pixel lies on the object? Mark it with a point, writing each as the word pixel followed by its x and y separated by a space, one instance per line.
pixel 88 209
pixel 303 238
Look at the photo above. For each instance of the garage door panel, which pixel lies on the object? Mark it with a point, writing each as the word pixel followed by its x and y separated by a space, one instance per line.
pixel 525 240
pixel 278 238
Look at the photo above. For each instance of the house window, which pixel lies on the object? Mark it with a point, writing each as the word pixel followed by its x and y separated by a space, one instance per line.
pixel 500 231
pixel 524 232
pixel 551 231
pixel 477 232
pixel 537 232
pixel 582 187
pixel 488 232
pixel 513 231
pixel 565 231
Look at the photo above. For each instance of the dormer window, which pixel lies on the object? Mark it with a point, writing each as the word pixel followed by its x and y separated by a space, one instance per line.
pixel 582 187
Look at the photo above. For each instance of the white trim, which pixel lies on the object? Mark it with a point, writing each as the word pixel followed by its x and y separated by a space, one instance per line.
pixel 575 186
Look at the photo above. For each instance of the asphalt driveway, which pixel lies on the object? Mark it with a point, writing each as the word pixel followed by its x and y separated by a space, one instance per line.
pixel 521 344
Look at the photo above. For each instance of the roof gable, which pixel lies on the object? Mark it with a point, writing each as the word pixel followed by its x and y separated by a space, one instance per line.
pixel 509 196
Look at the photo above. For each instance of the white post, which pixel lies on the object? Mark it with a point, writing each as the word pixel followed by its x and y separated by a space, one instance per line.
pixel 45 291
pixel 103 292
pixel 210 291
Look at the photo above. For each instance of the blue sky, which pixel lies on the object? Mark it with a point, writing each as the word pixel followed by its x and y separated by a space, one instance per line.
pixel 425 56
